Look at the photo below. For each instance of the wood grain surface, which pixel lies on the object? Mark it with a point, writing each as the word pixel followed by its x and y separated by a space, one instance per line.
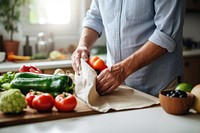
pixel 31 115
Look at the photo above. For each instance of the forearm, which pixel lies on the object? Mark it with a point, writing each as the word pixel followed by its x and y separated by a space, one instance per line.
pixel 144 56
pixel 88 37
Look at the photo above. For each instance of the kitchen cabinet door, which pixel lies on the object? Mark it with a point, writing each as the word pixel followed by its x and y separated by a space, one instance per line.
pixel 192 70
pixel 193 5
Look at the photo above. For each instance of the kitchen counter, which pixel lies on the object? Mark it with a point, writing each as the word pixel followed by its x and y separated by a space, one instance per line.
pixel 42 64
pixel 147 120
pixel 45 64
pixel 189 53
pixel 14 66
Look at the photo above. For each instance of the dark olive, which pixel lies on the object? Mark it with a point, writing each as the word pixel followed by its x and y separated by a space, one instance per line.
pixel 176 93
pixel 167 94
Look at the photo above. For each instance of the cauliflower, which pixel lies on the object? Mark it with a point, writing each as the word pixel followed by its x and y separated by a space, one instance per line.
pixel 12 101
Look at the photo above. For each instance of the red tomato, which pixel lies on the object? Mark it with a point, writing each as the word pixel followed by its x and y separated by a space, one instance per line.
pixel 65 102
pixel 30 96
pixel 43 102
pixel 34 69
pixel 24 68
pixel 96 63
pixel 29 68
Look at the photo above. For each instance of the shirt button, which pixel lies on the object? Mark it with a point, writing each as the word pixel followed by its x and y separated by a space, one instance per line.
pixel 117 14
pixel 117 55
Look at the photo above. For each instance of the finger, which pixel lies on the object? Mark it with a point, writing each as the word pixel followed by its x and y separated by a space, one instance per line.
pixel 103 88
pixel 74 67
pixel 103 75
pixel 104 84
pixel 102 79
pixel 76 62
pixel 109 90
pixel 85 53
pixel 78 65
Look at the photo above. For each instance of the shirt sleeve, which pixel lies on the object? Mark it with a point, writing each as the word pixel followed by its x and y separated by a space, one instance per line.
pixel 93 18
pixel 168 20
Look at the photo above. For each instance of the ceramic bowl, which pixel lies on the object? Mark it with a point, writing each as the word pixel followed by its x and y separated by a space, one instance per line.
pixel 2 56
pixel 174 105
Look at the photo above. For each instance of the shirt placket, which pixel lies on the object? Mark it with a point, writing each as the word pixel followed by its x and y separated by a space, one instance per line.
pixel 117 40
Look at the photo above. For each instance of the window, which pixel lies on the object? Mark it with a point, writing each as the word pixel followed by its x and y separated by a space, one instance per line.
pixel 53 16
pixel 50 12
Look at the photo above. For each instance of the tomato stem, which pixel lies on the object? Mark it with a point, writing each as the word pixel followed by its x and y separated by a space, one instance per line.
pixel 65 94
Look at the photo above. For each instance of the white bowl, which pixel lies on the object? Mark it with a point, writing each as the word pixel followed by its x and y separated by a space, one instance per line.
pixel 2 56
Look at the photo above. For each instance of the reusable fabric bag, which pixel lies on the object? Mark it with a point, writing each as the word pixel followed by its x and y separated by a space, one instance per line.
pixel 122 98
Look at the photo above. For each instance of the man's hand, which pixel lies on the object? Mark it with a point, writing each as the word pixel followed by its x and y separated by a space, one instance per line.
pixel 81 52
pixel 110 78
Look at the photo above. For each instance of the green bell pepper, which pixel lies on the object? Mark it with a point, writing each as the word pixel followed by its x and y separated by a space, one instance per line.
pixel 42 82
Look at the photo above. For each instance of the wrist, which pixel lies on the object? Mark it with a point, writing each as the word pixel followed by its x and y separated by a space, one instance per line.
pixel 130 65
pixel 125 69
pixel 83 45
pixel 120 68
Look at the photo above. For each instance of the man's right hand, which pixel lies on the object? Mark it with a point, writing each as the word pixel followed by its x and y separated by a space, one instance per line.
pixel 80 52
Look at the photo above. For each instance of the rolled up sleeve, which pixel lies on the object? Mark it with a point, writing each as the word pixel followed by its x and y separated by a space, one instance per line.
pixel 93 18
pixel 163 40
pixel 168 20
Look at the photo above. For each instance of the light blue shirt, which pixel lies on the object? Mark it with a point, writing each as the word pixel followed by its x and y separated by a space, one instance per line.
pixel 129 24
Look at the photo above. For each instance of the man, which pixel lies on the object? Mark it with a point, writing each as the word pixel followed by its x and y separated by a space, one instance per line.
pixel 144 43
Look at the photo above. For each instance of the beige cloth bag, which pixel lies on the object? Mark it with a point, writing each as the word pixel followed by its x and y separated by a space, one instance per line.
pixel 122 98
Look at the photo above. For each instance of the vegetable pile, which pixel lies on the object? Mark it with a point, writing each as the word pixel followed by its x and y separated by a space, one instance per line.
pixel 30 86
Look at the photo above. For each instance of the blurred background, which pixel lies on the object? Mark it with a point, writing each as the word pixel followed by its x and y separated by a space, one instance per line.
pixel 60 22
